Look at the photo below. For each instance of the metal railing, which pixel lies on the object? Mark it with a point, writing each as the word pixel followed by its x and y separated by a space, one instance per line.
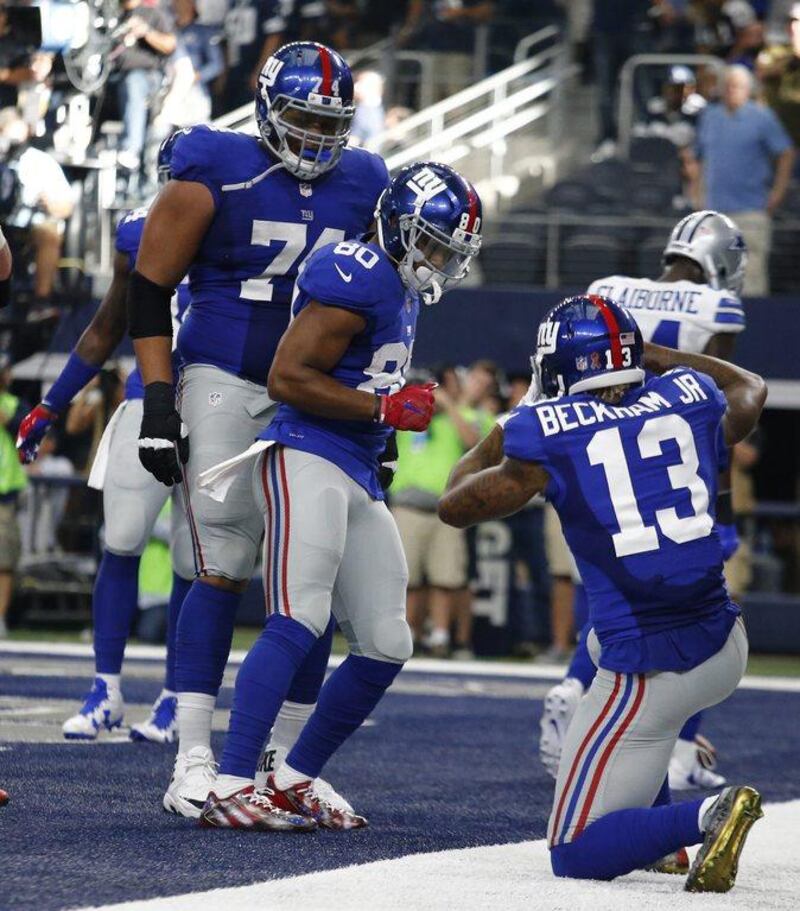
pixel 627 102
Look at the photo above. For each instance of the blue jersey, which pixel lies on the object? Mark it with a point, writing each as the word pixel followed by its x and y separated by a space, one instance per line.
pixel 129 236
pixel 635 487
pixel 362 278
pixel 267 223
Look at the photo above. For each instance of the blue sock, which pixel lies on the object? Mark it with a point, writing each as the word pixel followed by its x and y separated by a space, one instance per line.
pixel 580 606
pixel 627 840
pixel 582 665
pixel 691 727
pixel 261 687
pixel 75 375
pixel 203 639
pixel 114 604
pixel 311 674
pixel 347 699
pixel 180 588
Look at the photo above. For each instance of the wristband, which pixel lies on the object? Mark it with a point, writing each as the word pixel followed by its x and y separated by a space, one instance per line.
pixel 149 312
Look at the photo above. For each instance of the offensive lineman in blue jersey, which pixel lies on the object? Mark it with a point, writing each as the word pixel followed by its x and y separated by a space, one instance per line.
pixel 132 501
pixel 241 214
pixel 631 469
pixel 331 545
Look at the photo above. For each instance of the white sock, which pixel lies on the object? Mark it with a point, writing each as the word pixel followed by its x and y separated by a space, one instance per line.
pixel 195 712
pixel 705 806
pixel 225 785
pixel 112 681
pixel 287 777
pixel 290 721
pixel 438 638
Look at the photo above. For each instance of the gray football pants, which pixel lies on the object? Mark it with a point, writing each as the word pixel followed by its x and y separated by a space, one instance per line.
pixel 617 748
pixel 328 546
pixel 133 498
pixel 223 414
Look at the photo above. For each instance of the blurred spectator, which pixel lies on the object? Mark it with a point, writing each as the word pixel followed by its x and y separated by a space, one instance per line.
pixel 675 111
pixel 448 28
pixel 748 34
pixel 43 506
pixel 617 26
pixel 202 44
pixel 46 201
pixel 254 30
pixel 89 414
pixel 746 159
pixel 19 65
pixel 482 386
pixel 436 553
pixel 147 42
pixel 370 117
pixel 722 25
pixel 739 569
pixel 778 68
pixel 12 482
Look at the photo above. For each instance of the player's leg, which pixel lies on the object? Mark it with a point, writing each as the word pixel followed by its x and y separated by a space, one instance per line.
pixel 415 528
pixel 162 724
pixel 562 700
pixel 616 754
pixel 223 415
pixel 446 569
pixel 369 605
pixel 306 502
pixel 132 500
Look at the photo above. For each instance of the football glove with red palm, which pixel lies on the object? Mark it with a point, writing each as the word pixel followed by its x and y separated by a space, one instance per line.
pixel 409 409
pixel 31 432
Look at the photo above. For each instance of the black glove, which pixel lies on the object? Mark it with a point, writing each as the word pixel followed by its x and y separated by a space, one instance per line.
pixel 160 440
pixel 387 462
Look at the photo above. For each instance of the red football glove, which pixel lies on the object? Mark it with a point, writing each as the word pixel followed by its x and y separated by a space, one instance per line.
pixel 31 432
pixel 409 409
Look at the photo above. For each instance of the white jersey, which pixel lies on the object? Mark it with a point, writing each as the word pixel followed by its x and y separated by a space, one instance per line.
pixel 681 315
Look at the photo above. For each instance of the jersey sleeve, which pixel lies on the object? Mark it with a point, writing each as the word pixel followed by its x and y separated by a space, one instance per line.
pixel 522 436
pixel 199 156
pixel 347 275
pixel 129 234
pixel 722 311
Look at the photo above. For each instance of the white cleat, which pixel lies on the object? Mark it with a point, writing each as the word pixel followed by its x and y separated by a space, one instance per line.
pixel 325 792
pixel 193 777
pixel 692 765
pixel 162 725
pixel 102 708
pixel 559 707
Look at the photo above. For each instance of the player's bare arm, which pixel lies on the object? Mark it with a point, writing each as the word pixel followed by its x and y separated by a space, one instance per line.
pixel 721 345
pixel 311 347
pixel 490 493
pixel 107 327
pixel 486 454
pixel 745 392
pixel 174 230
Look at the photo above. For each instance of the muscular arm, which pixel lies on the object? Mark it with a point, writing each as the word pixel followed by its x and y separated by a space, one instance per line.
pixel 310 348
pixel 721 345
pixel 173 232
pixel 744 391
pixel 108 325
pixel 485 485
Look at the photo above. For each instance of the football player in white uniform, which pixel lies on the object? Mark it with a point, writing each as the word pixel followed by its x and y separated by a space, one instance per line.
pixel 695 307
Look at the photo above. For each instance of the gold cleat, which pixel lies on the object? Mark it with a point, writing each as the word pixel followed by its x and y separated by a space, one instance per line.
pixel 675 863
pixel 729 820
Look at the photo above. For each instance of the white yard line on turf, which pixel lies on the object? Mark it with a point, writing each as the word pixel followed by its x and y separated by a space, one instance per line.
pixel 515 877
pixel 477 668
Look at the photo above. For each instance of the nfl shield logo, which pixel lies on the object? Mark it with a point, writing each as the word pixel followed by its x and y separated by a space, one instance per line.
pixel 306 189
pixel 581 363
pixel 214 398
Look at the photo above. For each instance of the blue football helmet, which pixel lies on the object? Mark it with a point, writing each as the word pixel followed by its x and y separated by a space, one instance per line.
pixel 429 221
pixel 164 160
pixel 304 106
pixel 587 342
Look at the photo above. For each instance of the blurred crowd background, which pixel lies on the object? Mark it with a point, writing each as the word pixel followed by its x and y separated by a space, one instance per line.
pixel 589 126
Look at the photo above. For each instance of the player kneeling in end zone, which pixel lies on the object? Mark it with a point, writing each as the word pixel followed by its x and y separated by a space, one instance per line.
pixel 631 468
pixel 331 544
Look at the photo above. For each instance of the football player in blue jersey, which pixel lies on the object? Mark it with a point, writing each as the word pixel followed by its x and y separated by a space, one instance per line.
pixel 631 468
pixel 331 545
pixel 694 306
pixel 132 501
pixel 240 214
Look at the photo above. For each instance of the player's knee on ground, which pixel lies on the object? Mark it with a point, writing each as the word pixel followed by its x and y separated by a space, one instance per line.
pixel 571 861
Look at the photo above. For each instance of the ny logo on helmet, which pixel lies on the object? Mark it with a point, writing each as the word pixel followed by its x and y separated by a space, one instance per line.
pixel 269 74
pixel 546 341
pixel 426 184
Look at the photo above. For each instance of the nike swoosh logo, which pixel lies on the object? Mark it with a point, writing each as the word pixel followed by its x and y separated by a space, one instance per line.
pixel 346 276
